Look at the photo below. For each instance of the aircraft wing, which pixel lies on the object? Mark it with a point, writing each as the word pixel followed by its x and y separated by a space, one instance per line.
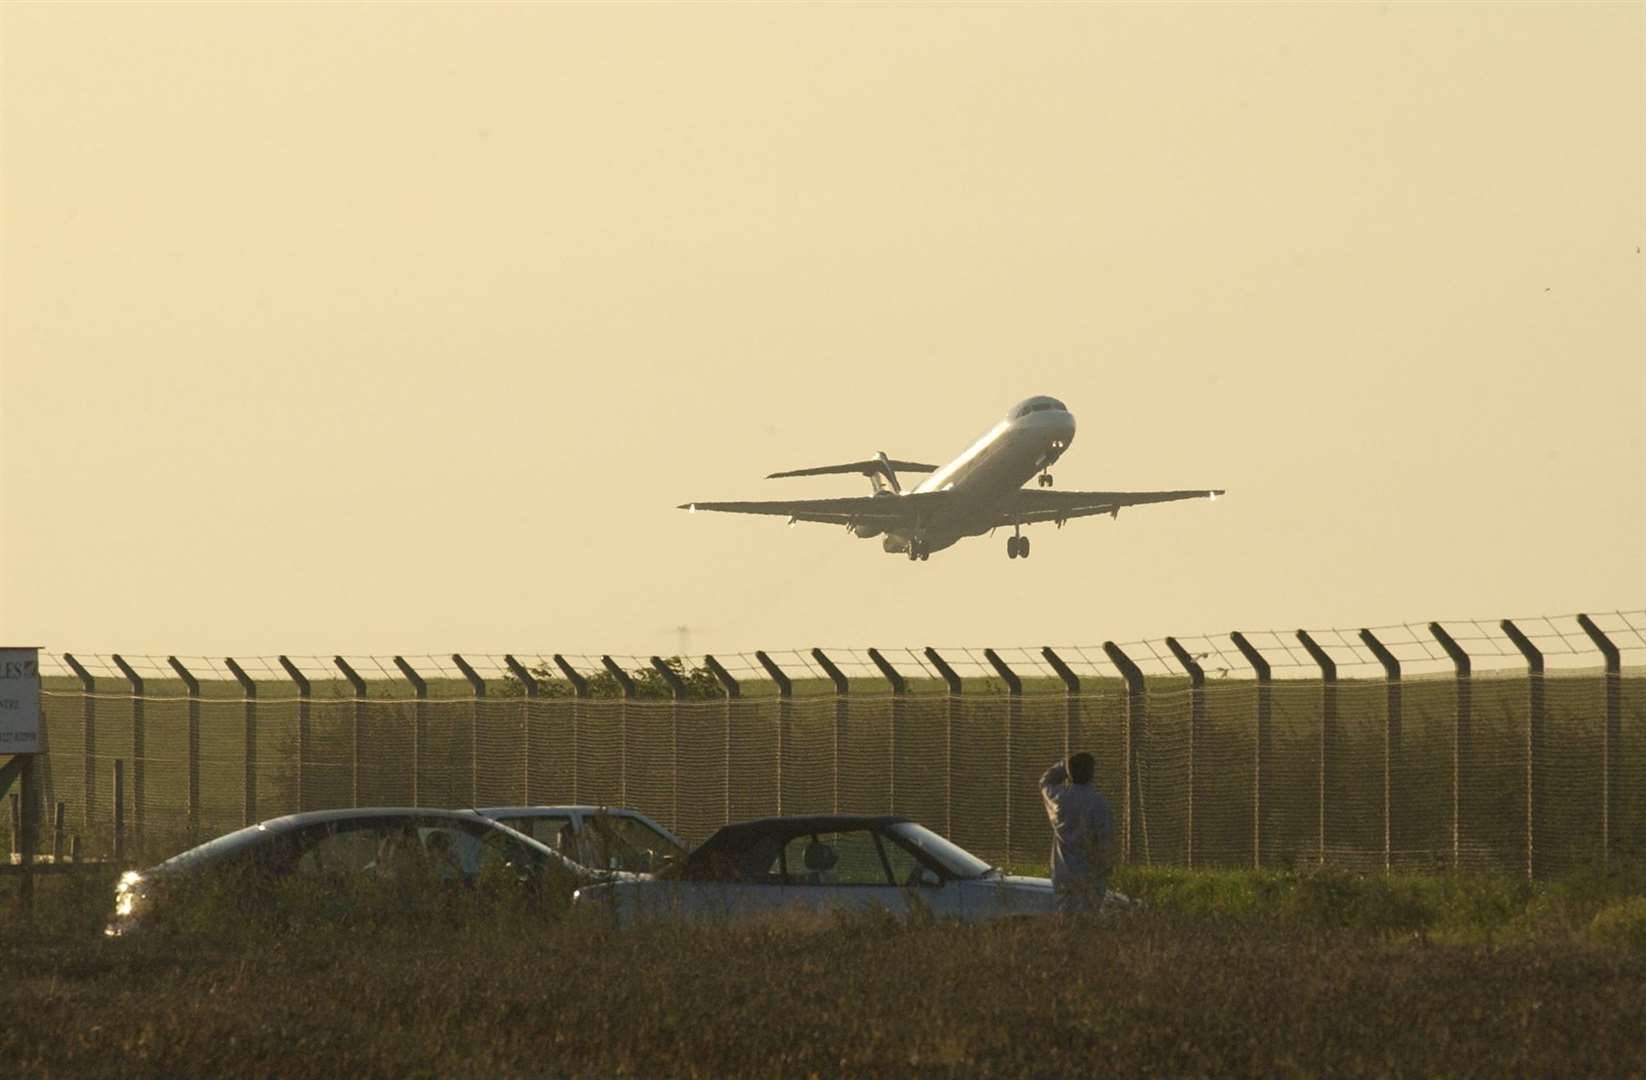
pixel 882 510
pixel 1030 505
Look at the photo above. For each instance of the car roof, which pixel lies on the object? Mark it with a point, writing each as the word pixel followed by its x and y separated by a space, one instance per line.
pixel 747 833
pixel 565 808
pixel 316 817
pixel 230 843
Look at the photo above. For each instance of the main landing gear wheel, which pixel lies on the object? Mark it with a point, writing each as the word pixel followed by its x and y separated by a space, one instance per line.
pixel 917 550
pixel 1017 547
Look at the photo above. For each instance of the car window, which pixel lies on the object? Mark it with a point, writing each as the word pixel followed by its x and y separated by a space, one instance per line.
pixel 553 831
pixel 450 853
pixel 954 859
pixel 905 865
pixel 758 861
pixel 347 847
pixel 452 850
pixel 841 858
pixel 625 843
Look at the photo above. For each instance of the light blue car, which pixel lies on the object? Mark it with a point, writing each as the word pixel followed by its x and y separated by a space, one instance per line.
pixel 828 863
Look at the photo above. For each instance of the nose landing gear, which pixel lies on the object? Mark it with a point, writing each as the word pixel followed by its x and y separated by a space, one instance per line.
pixel 1045 479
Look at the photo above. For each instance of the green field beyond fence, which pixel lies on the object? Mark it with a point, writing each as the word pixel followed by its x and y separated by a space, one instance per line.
pixel 1504 773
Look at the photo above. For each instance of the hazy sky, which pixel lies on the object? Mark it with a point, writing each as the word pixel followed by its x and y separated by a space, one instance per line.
pixel 404 328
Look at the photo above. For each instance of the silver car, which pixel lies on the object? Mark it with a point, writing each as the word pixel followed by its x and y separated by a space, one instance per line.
pixel 836 862
pixel 456 847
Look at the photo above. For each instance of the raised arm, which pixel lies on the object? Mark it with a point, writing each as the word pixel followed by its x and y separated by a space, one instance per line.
pixel 1054 777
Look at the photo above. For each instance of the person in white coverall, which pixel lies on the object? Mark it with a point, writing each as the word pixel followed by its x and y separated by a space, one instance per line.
pixel 1082 834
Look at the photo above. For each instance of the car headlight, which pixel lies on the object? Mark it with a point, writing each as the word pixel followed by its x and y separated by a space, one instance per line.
pixel 127 893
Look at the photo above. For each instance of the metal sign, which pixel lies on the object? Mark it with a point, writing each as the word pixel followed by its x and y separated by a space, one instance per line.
pixel 19 701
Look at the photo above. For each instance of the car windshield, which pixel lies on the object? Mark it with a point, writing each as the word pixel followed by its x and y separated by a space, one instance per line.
pixel 955 859
pixel 225 846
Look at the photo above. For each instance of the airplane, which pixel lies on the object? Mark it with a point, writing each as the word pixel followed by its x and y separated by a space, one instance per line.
pixel 976 493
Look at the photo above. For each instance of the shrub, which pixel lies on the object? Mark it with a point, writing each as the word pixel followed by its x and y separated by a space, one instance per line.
pixel 1621 923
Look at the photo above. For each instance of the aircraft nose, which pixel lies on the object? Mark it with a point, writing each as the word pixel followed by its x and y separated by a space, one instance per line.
pixel 1062 423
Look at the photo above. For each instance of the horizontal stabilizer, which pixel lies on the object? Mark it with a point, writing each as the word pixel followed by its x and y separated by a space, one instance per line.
pixel 872 467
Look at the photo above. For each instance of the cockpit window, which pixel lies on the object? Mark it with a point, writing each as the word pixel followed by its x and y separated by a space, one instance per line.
pixel 1034 405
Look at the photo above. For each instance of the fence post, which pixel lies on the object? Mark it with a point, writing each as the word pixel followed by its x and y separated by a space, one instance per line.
pixel 1260 756
pixel 842 709
pixel 88 728
pixel 580 694
pixel 616 671
pixel 420 723
pixel 1611 790
pixel 1462 735
pixel 951 708
pixel 478 685
pixel 733 692
pixel 1135 821
pixel 357 736
pixel 249 687
pixel 1014 721
pixel 1197 733
pixel 677 694
pixel 899 720
pixel 1071 695
pixel 785 721
pixel 305 694
pixel 1536 734
pixel 119 813
pixel 1325 780
pixel 518 670
pixel 58 823
pixel 193 781
pixel 27 800
pixel 139 740
pixel 1391 741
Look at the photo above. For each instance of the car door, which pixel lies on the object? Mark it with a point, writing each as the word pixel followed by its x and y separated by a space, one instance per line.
pixel 745 882
pixel 923 883
pixel 840 871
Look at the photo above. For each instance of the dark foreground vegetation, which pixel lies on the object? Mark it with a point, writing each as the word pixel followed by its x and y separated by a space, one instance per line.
pixel 1226 974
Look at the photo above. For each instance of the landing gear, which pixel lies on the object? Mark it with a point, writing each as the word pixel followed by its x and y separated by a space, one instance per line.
pixel 917 550
pixel 1045 479
pixel 1017 547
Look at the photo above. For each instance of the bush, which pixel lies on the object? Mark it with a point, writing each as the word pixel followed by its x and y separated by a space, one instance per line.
pixel 1621 924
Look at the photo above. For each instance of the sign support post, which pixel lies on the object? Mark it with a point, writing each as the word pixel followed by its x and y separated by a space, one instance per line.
pixel 20 735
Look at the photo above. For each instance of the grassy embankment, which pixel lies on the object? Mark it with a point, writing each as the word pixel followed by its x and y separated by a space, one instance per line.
pixel 1227 973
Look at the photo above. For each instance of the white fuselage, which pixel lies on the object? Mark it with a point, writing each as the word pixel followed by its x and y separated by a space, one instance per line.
pixel 1026 442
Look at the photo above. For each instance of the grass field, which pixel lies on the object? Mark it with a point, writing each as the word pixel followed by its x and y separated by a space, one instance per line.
pixel 1226 974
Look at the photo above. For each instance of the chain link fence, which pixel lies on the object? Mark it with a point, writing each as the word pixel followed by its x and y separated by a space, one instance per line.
pixel 1357 750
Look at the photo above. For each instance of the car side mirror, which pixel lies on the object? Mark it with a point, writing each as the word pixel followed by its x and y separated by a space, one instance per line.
pixel 928 877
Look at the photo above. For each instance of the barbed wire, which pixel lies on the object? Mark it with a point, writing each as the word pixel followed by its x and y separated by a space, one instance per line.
pixel 1563 642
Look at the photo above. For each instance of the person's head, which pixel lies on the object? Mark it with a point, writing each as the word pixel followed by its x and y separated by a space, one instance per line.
pixel 1082 767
